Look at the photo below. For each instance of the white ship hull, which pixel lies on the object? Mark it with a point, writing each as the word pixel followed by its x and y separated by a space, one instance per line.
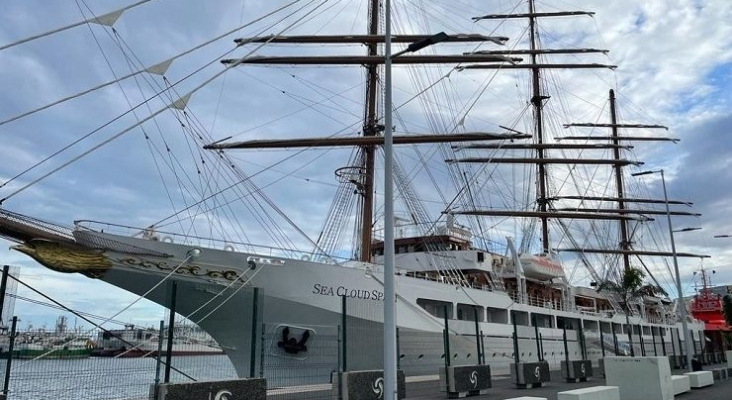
pixel 303 294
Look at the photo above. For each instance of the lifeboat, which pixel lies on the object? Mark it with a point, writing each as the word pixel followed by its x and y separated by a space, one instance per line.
pixel 541 267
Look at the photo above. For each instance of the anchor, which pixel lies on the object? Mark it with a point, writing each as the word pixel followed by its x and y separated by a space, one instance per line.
pixel 292 345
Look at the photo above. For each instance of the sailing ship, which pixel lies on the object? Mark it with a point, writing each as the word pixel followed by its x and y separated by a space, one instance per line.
pixel 136 342
pixel 503 203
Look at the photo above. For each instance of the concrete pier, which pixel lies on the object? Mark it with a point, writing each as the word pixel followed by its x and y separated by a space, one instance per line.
pixel 504 387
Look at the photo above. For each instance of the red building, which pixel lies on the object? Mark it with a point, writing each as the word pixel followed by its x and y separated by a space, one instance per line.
pixel 706 306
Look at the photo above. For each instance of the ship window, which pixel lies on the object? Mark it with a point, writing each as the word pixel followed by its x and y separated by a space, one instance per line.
pixel 521 317
pixel 481 256
pixel 542 320
pixel 466 312
pixel 496 315
pixel 571 323
pixel 590 325
pixel 436 308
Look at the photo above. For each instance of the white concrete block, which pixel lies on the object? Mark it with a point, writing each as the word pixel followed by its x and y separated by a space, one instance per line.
pixel 700 379
pixel 720 374
pixel 681 384
pixel 591 393
pixel 640 378
pixel 527 398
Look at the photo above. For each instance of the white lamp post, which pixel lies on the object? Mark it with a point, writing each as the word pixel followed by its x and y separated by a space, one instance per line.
pixel 390 345
pixel 681 304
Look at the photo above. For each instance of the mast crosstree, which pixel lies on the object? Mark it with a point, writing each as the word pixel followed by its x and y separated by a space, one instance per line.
pixel 626 241
pixel 537 101
pixel 616 143
pixel 362 175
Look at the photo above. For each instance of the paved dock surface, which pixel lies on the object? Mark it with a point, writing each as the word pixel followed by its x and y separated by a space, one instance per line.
pixel 504 387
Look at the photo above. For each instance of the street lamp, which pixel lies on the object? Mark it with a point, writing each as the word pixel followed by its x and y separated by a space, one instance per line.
pixel 682 306
pixel 390 343
pixel 687 230
pixel 421 44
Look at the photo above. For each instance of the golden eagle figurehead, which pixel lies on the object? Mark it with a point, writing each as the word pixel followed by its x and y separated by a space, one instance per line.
pixel 66 258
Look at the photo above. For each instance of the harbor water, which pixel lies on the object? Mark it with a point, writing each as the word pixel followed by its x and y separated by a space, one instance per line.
pixel 103 378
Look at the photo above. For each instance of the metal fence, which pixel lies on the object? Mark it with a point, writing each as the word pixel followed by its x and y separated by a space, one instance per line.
pixel 118 362
pixel 300 360
pixel 303 374
pixel 125 362
pixel 354 341
pixel 57 365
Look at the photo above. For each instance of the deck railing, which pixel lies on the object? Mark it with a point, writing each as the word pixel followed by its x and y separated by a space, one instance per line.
pixel 211 243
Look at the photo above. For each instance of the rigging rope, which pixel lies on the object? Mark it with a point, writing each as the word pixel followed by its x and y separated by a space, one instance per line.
pixel 107 19
pixel 156 95
pixel 83 317
pixel 160 111
pixel 158 68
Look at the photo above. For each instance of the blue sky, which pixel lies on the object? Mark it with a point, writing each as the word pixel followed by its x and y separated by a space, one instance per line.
pixel 674 61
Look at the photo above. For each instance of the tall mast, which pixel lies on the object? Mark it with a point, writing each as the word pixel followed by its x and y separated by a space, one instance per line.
pixel 624 240
pixel 372 128
pixel 615 140
pixel 369 129
pixel 536 100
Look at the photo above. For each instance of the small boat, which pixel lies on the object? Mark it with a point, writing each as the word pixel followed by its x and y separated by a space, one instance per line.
pixel 61 343
pixel 134 342
pixel 57 349
pixel 540 266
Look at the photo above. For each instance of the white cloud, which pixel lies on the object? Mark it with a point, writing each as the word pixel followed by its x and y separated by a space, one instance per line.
pixel 666 52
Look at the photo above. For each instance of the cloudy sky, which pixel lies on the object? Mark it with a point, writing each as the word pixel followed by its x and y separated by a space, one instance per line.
pixel 673 62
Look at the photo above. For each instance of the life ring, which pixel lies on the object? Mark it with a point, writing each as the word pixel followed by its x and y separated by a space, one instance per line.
pixel 229 247
pixel 167 239
pixel 305 257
